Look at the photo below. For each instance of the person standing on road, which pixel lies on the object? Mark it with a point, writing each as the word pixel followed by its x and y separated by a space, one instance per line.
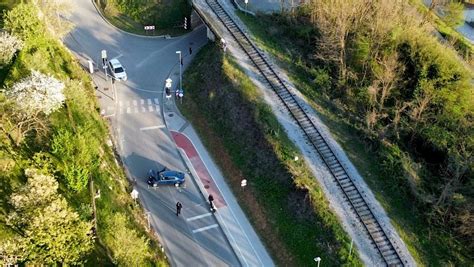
pixel 178 208
pixel 211 198
pixel 190 50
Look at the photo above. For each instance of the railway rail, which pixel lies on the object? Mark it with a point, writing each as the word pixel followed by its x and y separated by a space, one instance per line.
pixel 376 233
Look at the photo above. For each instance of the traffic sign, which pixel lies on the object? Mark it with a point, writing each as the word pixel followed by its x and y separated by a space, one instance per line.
pixel 168 83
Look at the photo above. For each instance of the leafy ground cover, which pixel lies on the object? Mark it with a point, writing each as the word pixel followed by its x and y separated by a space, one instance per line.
pixel 283 201
pixel 429 244
pixel 167 16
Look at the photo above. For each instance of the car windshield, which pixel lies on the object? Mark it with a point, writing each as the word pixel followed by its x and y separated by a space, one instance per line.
pixel 118 70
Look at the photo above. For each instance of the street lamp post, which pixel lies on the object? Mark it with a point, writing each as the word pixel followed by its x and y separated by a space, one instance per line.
pixel 318 260
pixel 180 71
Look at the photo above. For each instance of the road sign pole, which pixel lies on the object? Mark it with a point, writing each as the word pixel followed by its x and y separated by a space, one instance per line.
pixel 104 62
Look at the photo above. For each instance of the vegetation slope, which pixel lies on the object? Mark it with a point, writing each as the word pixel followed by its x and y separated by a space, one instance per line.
pixel 48 162
pixel 393 92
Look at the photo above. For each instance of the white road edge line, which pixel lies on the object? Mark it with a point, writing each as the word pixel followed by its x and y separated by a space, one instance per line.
pixel 152 127
pixel 205 228
pixel 199 216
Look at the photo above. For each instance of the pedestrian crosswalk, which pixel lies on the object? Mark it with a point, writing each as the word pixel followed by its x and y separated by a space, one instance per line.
pixel 133 106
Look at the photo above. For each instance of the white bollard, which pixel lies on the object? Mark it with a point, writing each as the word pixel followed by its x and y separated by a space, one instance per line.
pixel 91 66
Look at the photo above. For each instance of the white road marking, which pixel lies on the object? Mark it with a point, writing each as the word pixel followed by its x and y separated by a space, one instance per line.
pixel 157 102
pixel 143 109
pixel 148 101
pixel 198 217
pixel 135 103
pixel 150 108
pixel 136 109
pixel 152 127
pixel 157 108
pixel 142 101
pixel 205 228
pixel 129 110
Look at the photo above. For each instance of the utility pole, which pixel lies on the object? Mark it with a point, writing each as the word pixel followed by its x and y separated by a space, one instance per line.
pixel 180 71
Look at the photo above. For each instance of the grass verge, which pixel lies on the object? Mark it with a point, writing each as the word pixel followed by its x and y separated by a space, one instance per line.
pixel 429 245
pixel 282 200
pixel 167 16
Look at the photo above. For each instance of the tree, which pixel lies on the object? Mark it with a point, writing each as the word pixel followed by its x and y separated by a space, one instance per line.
pixel 449 10
pixel 49 231
pixel 128 246
pixel 23 21
pixel 9 45
pixel 76 154
pixel 335 21
pixel 52 12
pixel 29 102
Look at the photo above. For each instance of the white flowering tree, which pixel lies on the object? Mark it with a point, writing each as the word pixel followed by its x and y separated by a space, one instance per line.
pixel 50 232
pixel 33 98
pixel 9 45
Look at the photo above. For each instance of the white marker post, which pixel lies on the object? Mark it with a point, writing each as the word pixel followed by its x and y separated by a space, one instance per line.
pixel 91 67
pixel 134 194
pixel 243 183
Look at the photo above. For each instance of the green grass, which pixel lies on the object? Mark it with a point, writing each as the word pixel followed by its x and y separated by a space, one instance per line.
pixel 167 17
pixel 429 245
pixel 283 201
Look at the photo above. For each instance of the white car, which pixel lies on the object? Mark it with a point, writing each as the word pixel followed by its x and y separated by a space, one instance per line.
pixel 117 70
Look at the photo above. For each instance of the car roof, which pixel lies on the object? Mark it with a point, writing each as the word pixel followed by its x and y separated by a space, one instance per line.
pixel 115 63
pixel 178 174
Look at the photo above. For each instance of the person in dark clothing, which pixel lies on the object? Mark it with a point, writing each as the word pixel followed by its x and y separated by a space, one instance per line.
pixel 211 198
pixel 190 50
pixel 178 208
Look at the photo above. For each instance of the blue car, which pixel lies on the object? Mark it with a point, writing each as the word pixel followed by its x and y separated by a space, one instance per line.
pixel 165 177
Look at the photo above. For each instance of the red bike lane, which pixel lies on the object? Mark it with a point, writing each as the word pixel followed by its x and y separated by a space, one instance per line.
pixel 183 142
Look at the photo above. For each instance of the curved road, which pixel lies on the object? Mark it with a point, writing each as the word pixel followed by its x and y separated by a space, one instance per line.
pixel 134 109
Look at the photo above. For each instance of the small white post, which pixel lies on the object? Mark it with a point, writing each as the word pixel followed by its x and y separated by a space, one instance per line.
pixel 91 66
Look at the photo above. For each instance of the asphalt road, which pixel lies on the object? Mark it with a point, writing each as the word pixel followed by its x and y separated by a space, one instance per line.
pixel 194 238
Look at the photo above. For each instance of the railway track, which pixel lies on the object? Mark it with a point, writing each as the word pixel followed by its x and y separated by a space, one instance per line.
pixel 353 195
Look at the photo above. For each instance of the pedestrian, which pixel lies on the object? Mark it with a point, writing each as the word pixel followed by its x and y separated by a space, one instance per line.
pixel 178 208
pixel 211 199
pixel 224 44
pixel 190 50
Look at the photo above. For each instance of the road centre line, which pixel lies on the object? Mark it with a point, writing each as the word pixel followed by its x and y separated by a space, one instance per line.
pixel 152 127
pixel 198 217
pixel 205 228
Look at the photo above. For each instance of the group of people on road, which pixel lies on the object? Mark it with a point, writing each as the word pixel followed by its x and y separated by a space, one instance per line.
pixel 179 206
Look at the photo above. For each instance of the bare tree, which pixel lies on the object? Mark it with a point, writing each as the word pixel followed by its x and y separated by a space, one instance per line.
pixel 336 20
pixel 386 75
pixel 53 13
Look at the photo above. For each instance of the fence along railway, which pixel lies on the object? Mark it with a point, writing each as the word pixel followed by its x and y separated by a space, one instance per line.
pixel 373 228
